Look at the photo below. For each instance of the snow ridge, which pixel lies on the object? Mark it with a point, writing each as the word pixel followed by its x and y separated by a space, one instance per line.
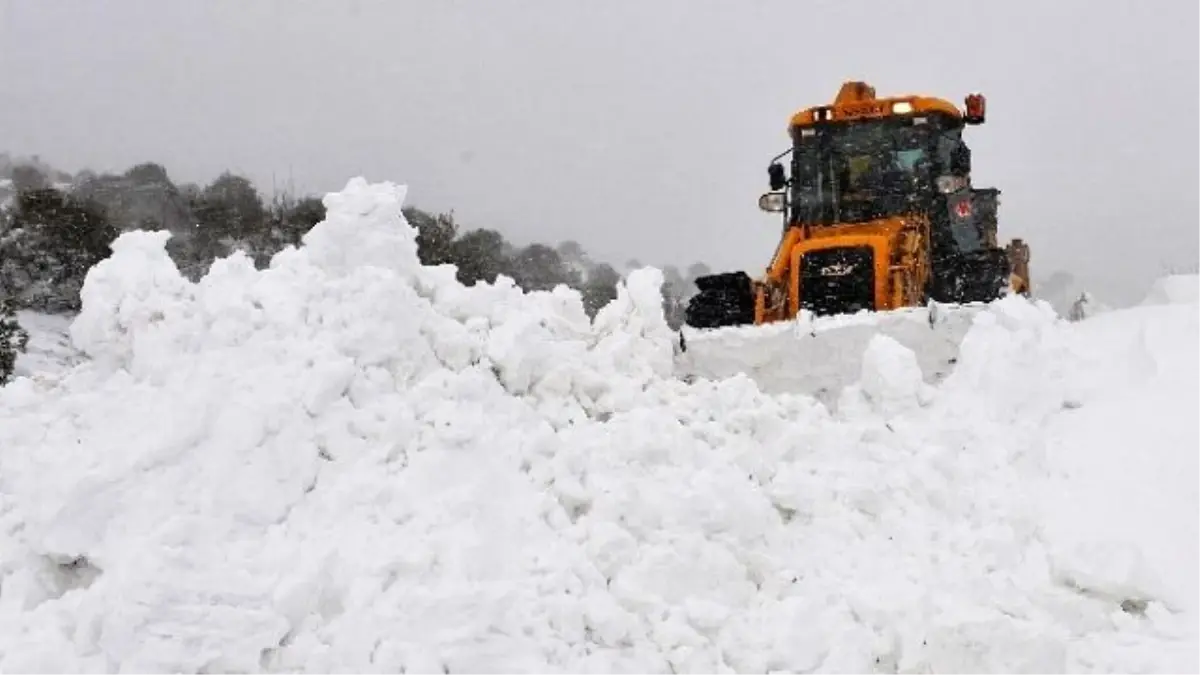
pixel 350 461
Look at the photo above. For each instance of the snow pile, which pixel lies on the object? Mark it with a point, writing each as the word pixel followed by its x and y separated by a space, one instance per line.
pixel 1175 289
pixel 350 461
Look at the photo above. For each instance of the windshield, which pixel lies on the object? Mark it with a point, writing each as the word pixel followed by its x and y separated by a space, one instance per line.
pixel 862 171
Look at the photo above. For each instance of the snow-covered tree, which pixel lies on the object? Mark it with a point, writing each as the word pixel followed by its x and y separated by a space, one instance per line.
pixel 1085 306
pixel 13 340
pixel 480 256
pixel 47 245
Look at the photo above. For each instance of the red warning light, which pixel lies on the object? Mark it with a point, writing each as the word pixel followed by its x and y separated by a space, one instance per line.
pixel 976 109
pixel 963 208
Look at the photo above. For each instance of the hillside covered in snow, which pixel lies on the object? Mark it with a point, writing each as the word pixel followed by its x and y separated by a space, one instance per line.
pixel 350 461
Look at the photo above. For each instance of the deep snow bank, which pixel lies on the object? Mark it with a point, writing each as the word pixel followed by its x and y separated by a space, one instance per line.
pixel 1175 289
pixel 350 462
pixel 1123 499
pixel 820 356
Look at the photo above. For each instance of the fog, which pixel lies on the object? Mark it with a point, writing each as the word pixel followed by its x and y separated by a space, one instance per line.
pixel 640 130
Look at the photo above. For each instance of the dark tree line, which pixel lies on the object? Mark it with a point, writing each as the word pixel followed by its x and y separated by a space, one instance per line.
pixel 54 227
pixel 53 232
pixel 484 255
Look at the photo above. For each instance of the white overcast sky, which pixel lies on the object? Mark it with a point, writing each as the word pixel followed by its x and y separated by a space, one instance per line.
pixel 640 129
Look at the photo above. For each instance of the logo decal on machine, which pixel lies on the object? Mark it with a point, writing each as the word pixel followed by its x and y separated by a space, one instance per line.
pixel 837 270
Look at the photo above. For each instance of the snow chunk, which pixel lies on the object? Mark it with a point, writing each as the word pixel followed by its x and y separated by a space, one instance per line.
pixel 891 377
pixel 127 295
pixel 364 226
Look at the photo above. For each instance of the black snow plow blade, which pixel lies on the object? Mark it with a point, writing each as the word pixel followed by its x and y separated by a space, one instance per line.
pixel 977 277
pixel 724 300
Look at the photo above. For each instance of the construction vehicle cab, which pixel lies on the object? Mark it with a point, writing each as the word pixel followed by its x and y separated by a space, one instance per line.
pixel 878 213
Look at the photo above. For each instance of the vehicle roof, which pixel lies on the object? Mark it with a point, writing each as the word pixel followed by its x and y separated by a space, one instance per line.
pixel 857 101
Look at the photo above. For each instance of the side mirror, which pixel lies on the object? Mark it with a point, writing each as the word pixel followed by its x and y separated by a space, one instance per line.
pixel 778 180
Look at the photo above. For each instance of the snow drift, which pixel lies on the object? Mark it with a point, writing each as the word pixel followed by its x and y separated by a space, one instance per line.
pixel 349 461
pixel 820 356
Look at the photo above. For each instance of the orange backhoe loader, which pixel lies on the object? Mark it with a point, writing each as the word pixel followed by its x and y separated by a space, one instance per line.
pixel 879 213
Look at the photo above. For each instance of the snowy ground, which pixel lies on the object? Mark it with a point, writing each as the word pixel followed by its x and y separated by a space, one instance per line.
pixel 350 462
